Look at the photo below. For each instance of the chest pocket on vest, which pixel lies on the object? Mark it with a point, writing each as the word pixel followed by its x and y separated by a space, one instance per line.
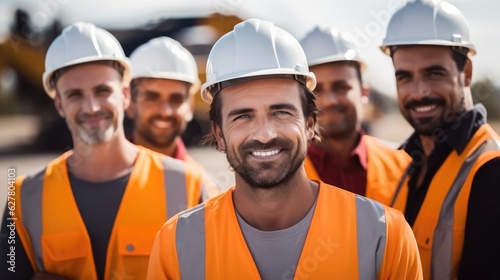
pixel 134 247
pixel 66 253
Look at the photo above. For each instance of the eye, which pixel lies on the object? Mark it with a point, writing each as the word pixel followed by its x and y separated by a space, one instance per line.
pixel 402 77
pixel 177 99
pixel 242 117
pixel 148 97
pixel 73 95
pixel 341 88
pixel 282 113
pixel 436 73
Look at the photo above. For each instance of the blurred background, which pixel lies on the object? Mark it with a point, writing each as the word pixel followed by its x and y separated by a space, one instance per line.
pixel 31 132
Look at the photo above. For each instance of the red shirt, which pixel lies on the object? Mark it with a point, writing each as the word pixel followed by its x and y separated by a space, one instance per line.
pixel 351 176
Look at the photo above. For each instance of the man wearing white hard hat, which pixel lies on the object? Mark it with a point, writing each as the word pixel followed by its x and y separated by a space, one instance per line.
pixel 164 80
pixel 275 223
pixel 93 212
pixel 449 194
pixel 346 157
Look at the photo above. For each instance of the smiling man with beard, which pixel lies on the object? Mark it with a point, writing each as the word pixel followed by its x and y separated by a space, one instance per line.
pixel 275 223
pixel 346 157
pixel 164 79
pixel 449 195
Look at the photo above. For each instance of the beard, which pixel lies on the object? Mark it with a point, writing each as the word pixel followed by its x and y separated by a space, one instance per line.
pixel 336 129
pixel 267 175
pixel 429 126
pixel 156 140
pixel 95 135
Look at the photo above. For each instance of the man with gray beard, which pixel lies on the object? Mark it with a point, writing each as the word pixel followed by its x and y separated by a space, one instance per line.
pixel 93 212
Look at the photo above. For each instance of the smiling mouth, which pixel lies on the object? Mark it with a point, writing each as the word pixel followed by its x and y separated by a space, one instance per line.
pixel 265 153
pixel 161 124
pixel 423 109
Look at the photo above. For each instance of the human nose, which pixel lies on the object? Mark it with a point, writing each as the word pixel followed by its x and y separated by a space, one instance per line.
pixel 264 131
pixel 91 104
pixel 166 108
pixel 419 88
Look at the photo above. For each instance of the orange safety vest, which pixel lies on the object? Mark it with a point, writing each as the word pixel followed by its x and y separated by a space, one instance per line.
pixel 350 237
pixel 54 234
pixel 385 168
pixel 440 224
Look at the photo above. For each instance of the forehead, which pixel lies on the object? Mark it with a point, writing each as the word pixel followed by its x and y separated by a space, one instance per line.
pixel 263 92
pixel 335 70
pixel 88 75
pixel 164 86
pixel 422 56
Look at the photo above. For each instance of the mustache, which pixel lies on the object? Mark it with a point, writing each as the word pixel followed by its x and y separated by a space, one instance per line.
pixel 276 143
pixel 162 118
pixel 423 102
pixel 84 116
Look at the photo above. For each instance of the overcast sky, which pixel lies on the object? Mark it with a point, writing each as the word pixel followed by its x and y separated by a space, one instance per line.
pixel 366 20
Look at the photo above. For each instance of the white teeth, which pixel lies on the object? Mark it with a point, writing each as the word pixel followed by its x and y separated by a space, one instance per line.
pixel 425 108
pixel 161 124
pixel 265 154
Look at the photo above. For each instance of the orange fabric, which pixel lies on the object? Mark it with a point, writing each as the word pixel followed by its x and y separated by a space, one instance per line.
pixel 65 242
pixel 330 247
pixel 427 219
pixel 385 168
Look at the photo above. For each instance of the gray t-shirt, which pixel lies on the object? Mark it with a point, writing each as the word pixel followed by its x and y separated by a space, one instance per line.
pixel 98 204
pixel 276 253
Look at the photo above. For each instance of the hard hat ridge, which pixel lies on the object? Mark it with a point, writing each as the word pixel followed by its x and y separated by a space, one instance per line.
pixel 423 22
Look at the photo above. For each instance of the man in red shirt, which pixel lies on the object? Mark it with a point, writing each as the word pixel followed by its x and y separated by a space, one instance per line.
pixel 346 156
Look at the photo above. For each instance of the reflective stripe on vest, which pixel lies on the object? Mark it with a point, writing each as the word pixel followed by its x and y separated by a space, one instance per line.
pixel 190 239
pixel 31 197
pixel 442 258
pixel 441 263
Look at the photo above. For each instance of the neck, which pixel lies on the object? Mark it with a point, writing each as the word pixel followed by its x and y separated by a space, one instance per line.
pixel 340 148
pixel 168 150
pixel 427 144
pixel 277 208
pixel 102 162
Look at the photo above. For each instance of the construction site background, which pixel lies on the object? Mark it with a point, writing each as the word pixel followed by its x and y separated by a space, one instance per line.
pixel 32 133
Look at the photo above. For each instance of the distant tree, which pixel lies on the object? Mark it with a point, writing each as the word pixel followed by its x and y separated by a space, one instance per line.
pixel 485 92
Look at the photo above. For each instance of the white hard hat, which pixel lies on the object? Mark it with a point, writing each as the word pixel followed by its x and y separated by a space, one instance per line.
pixel 428 23
pixel 255 48
pixel 80 43
pixel 164 58
pixel 326 44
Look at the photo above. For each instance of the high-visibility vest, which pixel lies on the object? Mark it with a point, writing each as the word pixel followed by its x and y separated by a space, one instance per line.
pixel 385 168
pixel 54 234
pixel 440 224
pixel 350 237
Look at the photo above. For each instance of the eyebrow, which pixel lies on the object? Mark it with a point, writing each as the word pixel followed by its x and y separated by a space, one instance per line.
pixel 427 69
pixel 434 68
pixel 273 107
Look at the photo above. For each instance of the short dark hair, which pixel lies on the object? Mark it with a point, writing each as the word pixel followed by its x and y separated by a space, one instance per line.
pixel 308 107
